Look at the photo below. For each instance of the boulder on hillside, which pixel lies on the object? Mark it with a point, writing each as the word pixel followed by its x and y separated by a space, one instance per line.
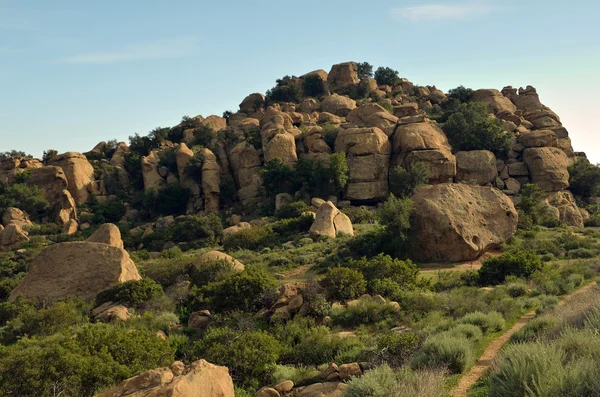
pixel 343 78
pixel 538 138
pixel 457 222
pixel 373 115
pixel 152 179
pixel 14 216
pixel 79 173
pixel 495 101
pixel 563 206
pixel 330 221
pixel 65 208
pixel 51 179
pixel 214 256
pixel 476 167
pixel 246 165
pixel 76 269
pixel 12 236
pixel 548 168
pixel 109 234
pixel 338 105
pixel 368 156
pixel 199 379
pixel 211 181
pixel 252 103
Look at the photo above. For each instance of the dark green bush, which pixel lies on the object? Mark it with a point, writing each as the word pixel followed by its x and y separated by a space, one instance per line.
pixel 210 272
pixel 251 238
pixel 344 283
pixel 396 215
pixel 287 89
pixel 27 198
pixel 403 182
pixel 132 292
pixel 522 263
pixel 361 214
pixel 396 348
pixel 471 128
pixel 205 230
pixel 287 228
pixel 292 210
pixel 169 200
pixel 381 267
pixel 444 351
pixel 386 76
pixel 313 86
pixel 365 70
pixel 532 209
pixel 250 355
pixel 106 211
pixel 584 178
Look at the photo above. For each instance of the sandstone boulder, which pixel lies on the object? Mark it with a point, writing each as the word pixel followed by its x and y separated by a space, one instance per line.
pixel 368 156
pixel 538 138
pixel 476 167
pixel 338 105
pixel 373 115
pixel 76 269
pixel 495 101
pixel 65 208
pixel 107 234
pixel 330 221
pixel 214 256
pixel 199 379
pixel 12 236
pixel 457 222
pixel 548 168
pixel 51 179
pixel 110 312
pixel 246 165
pixel 343 78
pixel 152 179
pixel 14 216
pixel 563 206
pixel 211 181
pixel 79 173
pixel 252 103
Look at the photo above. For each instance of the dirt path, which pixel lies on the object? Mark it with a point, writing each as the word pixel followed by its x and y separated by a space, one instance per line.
pixel 491 351
pixel 462 266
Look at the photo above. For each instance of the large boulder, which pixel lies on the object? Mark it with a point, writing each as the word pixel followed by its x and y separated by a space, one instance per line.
pixel 109 234
pixel 338 105
pixel 458 222
pixel 476 167
pixel 15 216
pixel 65 208
pixel 215 256
pixel 548 167
pixel 373 115
pixel 12 236
pixel 495 101
pixel 425 143
pixel 246 165
pixel 368 156
pixel 343 78
pixel 538 138
pixel 79 173
pixel 330 221
pixel 563 206
pixel 199 379
pixel 76 269
pixel 152 179
pixel 252 103
pixel 51 179
pixel 211 181
pixel 278 136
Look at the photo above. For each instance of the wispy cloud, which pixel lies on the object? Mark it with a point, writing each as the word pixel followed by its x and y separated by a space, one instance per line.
pixel 161 49
pixel 438 12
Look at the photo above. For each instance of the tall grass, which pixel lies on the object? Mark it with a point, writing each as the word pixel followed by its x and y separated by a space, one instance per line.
pixel 384 382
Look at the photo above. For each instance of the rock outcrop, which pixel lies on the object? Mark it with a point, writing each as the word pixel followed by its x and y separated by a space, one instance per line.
pixel 457 222
pixel 199 379
pixel 107 234
pixel 548 168
pixel 343 78
pixel 330 221
pixel 476 167
pixel 214 256
pixel 79 173
pixel 564 208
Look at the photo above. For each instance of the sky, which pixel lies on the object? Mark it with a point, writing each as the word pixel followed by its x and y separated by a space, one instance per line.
pixel 74 73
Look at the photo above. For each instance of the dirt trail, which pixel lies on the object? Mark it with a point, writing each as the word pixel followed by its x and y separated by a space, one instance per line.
pixel 462 266
pixel 491 351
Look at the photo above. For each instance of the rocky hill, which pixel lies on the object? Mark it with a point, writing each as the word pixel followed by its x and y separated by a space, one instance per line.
pixel 279 241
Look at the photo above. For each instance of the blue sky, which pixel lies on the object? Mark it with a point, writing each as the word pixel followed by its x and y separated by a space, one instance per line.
pixel 74 73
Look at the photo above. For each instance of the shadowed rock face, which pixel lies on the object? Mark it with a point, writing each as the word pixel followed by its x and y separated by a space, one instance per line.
pixel 79 173
pixel 76 269
pixel 199 379
pixel 457 222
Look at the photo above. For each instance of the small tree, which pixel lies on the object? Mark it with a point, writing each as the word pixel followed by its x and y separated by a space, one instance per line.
pixel 532 209
pixel 344 283
pixel 365 70
pixel 313 86
pixel 403 182
pixel 522 263
pixel 584 178
pixel 386 76
pixel 471 128
pixel 396 215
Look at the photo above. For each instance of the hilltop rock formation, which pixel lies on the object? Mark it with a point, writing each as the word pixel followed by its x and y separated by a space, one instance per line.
pixel 79 173
pixel 82 268
pixel 457 222
pixel 199 379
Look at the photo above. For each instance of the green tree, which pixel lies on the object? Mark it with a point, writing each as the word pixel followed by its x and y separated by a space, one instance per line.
pixel 471 128
pixel 386 76
pixel 403 182
pixel 584 178
pixel 365 70
pixel 287 89
pixel 522 263
pixel 27 198
pixel 313 86
pixel 396 215
pixel 344 283
pixel 532 209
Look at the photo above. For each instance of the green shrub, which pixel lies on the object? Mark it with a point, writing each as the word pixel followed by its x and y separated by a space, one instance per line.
pixel 470 331
pixel 203 136
pixel 395 215
pixel 584 178
pixel 532 209
pixel 385 287
pixel 287 228
pixel 515 289
pixel 133 292
pixel 403 273
pixel 169 200
pixel 250 239
pixel 210 272
pixel 522 263
pixel 313 86
pixel 287 89
pixel 365 70
pixel 343 283
pixel 488 322
pixel 251 356
pixel 365 311
pixel 292 210
pixel 444 352
pixel 205 230
pixel 386 76
pixel 172 253
pixel 535 329
pixel 385 382
pixel 395 348
pixel 245 291
pixel 166 272
pixel 471 128
pixel 360 214
pixel 581 253
pixel 106 211
pixel 297 374
pixel 27 198
pixel 403 182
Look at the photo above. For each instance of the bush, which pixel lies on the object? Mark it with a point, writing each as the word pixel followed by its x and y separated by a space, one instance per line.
pixel 470 331
pixel 169 200
pixel 365 311
pixel 106 211
pixel 250 239
pixel 27 198
pixel 250 356
pixel 361 214
pixel 488 322
pixel 522 263
pixel 385 382
pixel 403 182
pixel 515 289
pixel 313 86
pixel 133 292
pixel 535 329
pixel 343 283
pixel 245 291
pixel 292 210
pixel 396 215
pixel 386 76
pixel 471 128
pixel 395 348
pixel 444 352
pixel 532 209
pixel 365 70
pixel 210 272
pixel 205 230
pixel 584 178
pixel 382 267
pixel 287 89
pixel 166 272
